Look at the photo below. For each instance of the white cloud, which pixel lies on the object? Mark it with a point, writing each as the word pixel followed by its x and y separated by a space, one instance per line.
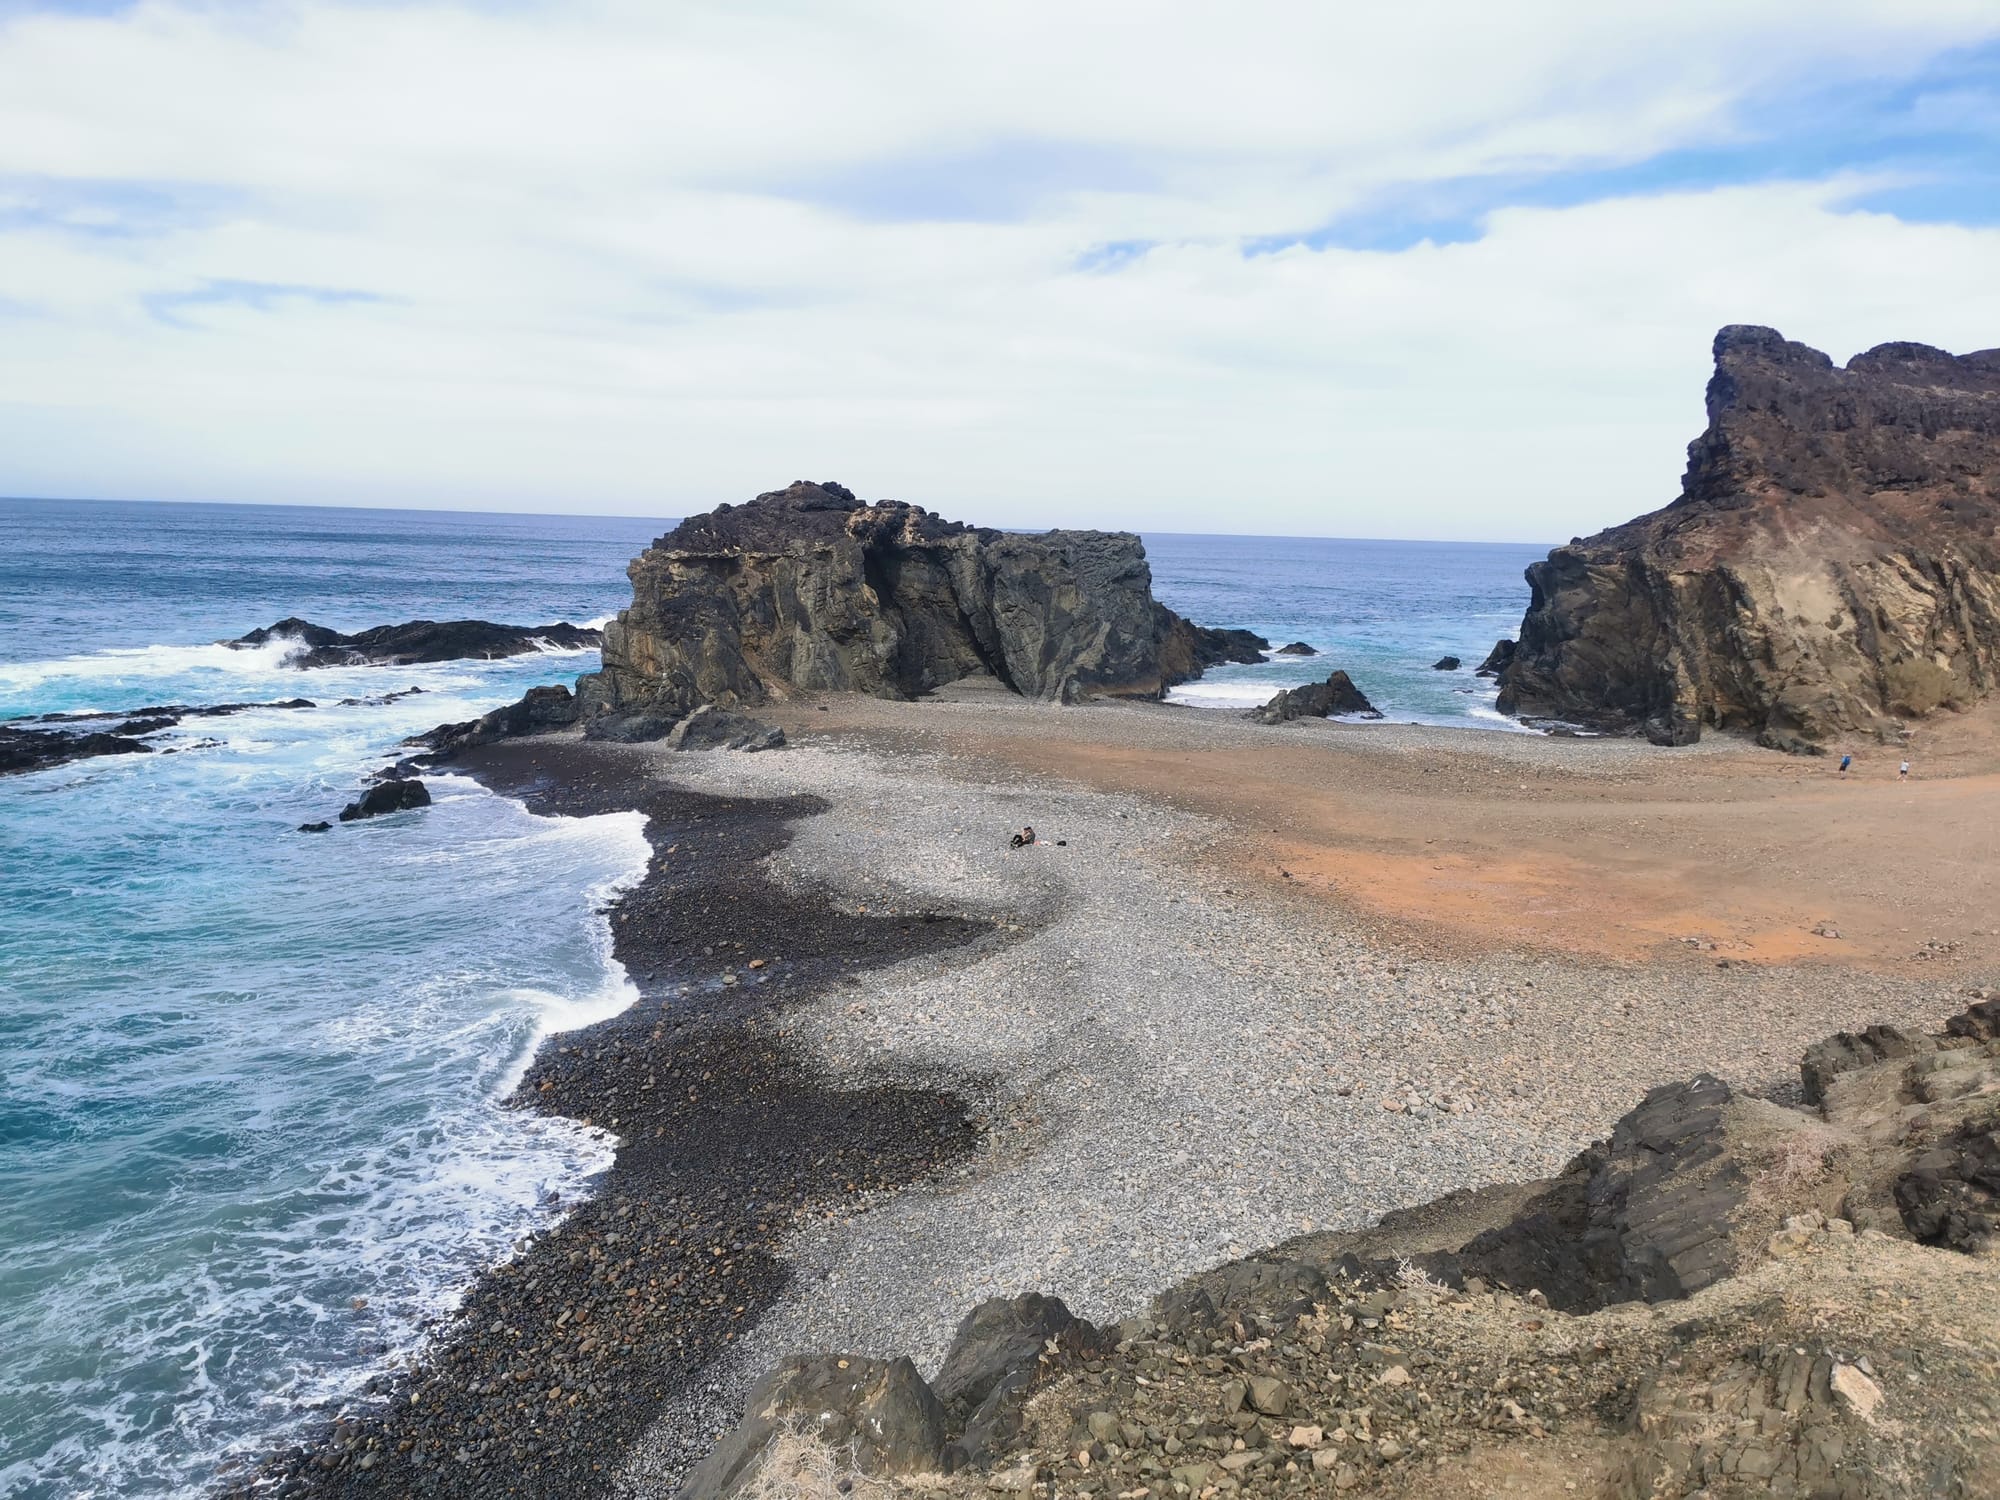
pixel 615 272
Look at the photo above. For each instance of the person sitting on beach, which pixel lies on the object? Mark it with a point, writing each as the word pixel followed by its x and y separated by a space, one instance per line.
pixel 1022 839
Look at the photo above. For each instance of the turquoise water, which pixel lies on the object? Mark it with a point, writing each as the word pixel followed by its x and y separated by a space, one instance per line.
pixel 250 1078
pixel 1384 612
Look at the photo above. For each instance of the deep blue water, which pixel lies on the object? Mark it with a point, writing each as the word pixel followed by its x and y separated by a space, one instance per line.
pixel 250 1131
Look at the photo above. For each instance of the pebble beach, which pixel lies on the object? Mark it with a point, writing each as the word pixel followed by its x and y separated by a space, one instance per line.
pixel 886 1065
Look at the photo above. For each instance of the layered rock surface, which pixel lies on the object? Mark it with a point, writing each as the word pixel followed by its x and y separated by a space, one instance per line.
pixel 1831 567
pixel 810 589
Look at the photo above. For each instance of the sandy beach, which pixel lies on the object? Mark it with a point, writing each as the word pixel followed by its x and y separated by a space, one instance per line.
pixel 1250 983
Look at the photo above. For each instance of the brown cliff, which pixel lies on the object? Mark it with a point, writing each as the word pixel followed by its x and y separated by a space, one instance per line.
pixel 810 589
pixel 1831 567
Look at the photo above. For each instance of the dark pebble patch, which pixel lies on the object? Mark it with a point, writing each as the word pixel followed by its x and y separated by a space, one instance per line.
pixel 731 1136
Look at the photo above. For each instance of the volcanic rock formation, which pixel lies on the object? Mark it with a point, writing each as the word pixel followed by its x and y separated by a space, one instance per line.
pixel 416 641
pixel 810 589
pixel 1831 566
pixel 1318 700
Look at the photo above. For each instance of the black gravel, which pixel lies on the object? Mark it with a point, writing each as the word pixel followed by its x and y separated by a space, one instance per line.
pixel 730 1136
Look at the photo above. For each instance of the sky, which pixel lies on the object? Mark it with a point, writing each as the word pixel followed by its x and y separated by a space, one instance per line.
pixel 1440 268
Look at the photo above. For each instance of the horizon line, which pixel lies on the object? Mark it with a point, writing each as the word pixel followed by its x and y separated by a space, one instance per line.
pixel 454 510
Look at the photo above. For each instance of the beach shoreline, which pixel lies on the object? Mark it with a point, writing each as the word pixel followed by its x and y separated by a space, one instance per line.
pixel 1099 1066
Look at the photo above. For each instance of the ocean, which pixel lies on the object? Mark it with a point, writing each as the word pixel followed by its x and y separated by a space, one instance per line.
pixel 251 1136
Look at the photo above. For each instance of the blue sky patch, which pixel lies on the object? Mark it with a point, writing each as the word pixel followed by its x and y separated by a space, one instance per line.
pixel 1935 135
pixel 100 209
pixel 262 296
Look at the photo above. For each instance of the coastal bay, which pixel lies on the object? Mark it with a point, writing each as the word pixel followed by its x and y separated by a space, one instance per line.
pixel 1193 1027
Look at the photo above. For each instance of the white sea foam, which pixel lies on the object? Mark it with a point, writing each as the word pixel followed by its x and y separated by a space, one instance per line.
pixel 1209 692
pixel 128 663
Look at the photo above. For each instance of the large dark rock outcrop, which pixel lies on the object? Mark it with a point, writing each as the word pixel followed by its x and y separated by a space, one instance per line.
pixel 37 749
pixel 417 641
pixel 540 710
pixel 810 589
pixel 1831 567
pixel 1318 700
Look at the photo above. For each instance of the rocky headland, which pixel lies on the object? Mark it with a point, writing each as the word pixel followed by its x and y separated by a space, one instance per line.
pixel 811 589
pixel 1831 568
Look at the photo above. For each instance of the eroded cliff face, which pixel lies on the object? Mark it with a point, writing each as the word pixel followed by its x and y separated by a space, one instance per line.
pixel 810 589
pixel 1831 567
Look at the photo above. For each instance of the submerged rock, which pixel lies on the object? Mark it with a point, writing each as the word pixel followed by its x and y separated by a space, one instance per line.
pixel 1318 700
pixel 1446 664
pixel 38 749
pixel 1296 648
pixel 396 794
pixel 1832 565
pixel 417 641
pixel 811 589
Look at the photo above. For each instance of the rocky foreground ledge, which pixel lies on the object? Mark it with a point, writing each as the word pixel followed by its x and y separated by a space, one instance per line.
pixel 1727 1298
pixel 1830 569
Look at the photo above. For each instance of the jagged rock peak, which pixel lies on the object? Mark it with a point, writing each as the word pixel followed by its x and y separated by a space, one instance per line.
pixel 1830 567
pixel 804 510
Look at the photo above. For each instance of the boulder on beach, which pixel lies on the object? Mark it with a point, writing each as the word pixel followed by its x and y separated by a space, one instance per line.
pixel 713 728
pixel 630 728
pixel 1318 700
pixel 885 1419
pixel 392 795
pixel 811 589
pixel 416 641
pixel 1830 568
pixel 880 1413
pixel 1296 648
pixel 1446 664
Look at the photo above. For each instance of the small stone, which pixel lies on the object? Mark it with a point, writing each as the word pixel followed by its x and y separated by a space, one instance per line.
pixel 1269 1395
pixel 1390 1449
pixel 1233 1392
pixel 1346 1477
pixel 1103 1426
pixel 1394 1375
pixel 1857 1390
pixel 1306 1437
pixel 1326 1458
pixel 1236 1463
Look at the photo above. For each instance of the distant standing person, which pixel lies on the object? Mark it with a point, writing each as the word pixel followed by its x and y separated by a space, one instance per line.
pixel 1903 772
pixel 1845 762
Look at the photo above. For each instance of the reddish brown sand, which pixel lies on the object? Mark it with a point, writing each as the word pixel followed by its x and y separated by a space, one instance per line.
pixel 1612 849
